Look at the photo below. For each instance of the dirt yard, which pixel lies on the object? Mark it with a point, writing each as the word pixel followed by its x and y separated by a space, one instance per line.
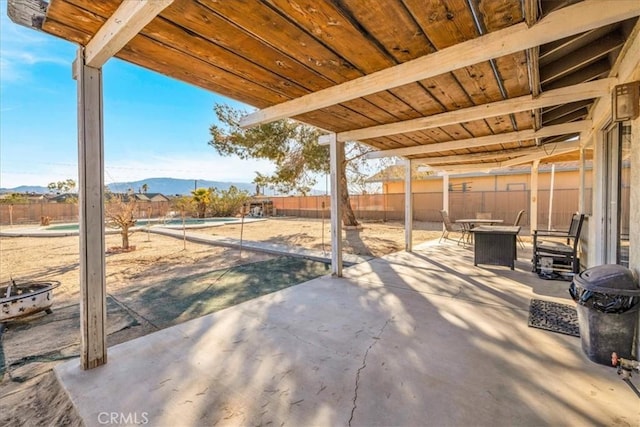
pixel 29 393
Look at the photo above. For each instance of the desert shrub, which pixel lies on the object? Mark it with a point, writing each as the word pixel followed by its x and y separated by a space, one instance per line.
pixel 227 202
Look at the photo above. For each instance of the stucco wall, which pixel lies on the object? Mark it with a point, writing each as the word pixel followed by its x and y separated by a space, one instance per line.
pixel 563 180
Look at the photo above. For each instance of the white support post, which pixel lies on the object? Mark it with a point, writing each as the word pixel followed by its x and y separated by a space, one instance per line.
pixel 408 208
pixel 534 195
pixel 634 202
pixel 634 206
pixel 93 313
pixel 597 221
pixel 582 181
pixel 445 195
pixel 336 158
pixel 551 185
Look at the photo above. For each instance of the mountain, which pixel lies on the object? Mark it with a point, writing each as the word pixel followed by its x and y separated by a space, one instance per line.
pixel 166 186
pixel 25 189
pixel 173 186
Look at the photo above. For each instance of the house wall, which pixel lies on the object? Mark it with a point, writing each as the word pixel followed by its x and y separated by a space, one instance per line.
pixel 564 180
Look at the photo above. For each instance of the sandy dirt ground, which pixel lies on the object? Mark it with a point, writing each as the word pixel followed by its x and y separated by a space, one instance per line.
pixel 29 392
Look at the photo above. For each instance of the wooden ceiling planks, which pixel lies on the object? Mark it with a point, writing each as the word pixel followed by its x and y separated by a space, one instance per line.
pixel 284 49
pixel 333 27
pixel 390 25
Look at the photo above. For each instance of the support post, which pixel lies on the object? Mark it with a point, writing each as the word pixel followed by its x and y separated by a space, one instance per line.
pixel 408 208
pixel 634 202
pixel 93 351
pixel 597 222
pixel 445 195
pixel 534 195
pixel 336 158
pixel 582 180
pixel 634 206
pixel 551 185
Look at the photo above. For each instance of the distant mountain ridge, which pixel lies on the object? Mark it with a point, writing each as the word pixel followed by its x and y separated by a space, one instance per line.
pixel 166 186
pixel 25 189
pixel 176 186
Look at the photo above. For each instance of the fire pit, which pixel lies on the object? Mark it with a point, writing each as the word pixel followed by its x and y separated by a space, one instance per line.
pixel 22 299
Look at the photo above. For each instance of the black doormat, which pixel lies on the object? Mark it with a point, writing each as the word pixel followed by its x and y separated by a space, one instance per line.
pixel 554 317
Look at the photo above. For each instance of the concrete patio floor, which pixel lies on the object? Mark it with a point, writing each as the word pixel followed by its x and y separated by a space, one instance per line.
pixel 411 339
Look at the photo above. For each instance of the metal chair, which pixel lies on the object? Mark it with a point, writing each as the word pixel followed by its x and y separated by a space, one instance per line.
pixel 517 223
pixel 449 227
pixel 564 257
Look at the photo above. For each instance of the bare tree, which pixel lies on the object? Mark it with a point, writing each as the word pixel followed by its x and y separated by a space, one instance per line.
pixel 119 213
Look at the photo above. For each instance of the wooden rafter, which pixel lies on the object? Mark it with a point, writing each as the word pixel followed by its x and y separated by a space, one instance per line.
pixel 627 68
pixel 578 92
pixel 120 28
pixel 566 128
pixel 559 148
pixel 565 22
pixel 492 155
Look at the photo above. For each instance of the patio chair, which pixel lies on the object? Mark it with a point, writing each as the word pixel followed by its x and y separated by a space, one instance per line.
pixel 449 227
pixel 551 258
pixel 517 223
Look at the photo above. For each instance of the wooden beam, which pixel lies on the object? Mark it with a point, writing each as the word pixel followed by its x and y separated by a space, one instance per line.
pixel 597 70
pixel 492 155
pixel 565 95
pixel 482 141
pixel 336 157
pixel 93 293
pixel 563 110
pixel 578 59
pixel 627 69
pixel 471 167
pixel 125 23
pixel 28 13
pixel 533 60
pixel 565 22
pixel 558 148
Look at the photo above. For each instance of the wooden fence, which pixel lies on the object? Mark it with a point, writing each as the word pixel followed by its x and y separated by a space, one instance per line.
pixel 32 213
pixel 426 206
pixel 382 207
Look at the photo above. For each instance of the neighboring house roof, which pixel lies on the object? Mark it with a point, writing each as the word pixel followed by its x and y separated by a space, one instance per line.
pixel 142 197
pixel 60 198
pixel 157 197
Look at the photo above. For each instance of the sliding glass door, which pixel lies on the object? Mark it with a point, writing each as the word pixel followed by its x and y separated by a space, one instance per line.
pixel 617 194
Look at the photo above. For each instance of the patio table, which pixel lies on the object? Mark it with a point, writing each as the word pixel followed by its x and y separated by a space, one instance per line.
pixel 469 223
pixel 495 245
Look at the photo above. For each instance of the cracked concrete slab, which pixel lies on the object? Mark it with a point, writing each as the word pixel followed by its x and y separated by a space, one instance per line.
pixel 387 345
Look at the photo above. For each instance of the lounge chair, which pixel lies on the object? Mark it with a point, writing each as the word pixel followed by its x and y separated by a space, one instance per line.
pixel 552 257
pixel 449 227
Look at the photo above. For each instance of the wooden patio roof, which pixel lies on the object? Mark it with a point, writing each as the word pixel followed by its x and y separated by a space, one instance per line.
pixel 449 82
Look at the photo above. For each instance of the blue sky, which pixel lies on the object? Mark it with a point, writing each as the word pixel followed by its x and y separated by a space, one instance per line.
pixel 154 126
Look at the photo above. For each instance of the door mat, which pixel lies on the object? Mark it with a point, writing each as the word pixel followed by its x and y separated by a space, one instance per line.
pixel 555 317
